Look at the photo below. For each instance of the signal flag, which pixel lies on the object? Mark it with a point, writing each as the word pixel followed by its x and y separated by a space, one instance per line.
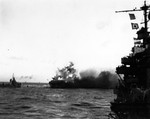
pixel 132 16
pixel 134 25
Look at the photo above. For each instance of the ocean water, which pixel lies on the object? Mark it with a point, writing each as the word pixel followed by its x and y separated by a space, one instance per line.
pixel 39 102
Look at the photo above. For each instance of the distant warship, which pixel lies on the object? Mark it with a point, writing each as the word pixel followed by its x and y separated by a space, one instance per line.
pixel 133 91
pixel 12 84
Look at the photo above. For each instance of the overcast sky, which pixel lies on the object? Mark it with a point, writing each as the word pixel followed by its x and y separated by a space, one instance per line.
pixel 39 36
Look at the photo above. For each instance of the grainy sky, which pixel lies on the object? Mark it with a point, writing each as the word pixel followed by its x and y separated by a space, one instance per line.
pixel 39 36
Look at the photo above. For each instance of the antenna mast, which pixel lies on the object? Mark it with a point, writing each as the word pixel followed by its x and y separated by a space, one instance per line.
pixel 144 9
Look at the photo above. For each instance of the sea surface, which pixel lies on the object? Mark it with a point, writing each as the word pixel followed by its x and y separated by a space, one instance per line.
pixel 34 101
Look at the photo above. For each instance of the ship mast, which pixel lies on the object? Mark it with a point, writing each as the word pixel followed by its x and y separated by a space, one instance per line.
pixel 136 66
pixel 144 8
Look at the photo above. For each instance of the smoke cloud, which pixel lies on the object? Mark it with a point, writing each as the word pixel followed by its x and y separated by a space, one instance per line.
pixel 88 73
pixel 104 80
pixel 87 79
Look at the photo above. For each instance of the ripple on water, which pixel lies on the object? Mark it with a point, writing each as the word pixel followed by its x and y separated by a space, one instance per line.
pixel 33 103
pixel 85 104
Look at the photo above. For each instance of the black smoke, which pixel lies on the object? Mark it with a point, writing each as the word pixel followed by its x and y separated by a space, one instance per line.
pixel 88 73
pixel 86 79
pixel 104 80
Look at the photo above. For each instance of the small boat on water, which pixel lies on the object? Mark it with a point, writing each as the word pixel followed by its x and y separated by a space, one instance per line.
pixel 12 84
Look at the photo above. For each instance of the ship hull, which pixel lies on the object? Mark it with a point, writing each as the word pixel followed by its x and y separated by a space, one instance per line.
pixel 125 107
pixel 62 84
pixel 8 85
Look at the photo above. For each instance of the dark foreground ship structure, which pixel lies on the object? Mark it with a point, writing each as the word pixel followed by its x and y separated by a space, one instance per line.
pixel 133 91
pixel 12 84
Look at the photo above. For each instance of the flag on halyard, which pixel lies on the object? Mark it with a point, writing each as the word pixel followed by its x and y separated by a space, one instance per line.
pixel 134 25
pixel 132 16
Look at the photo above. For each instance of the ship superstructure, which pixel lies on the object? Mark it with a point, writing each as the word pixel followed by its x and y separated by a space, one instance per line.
pixel 134 73
pixel 64 77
